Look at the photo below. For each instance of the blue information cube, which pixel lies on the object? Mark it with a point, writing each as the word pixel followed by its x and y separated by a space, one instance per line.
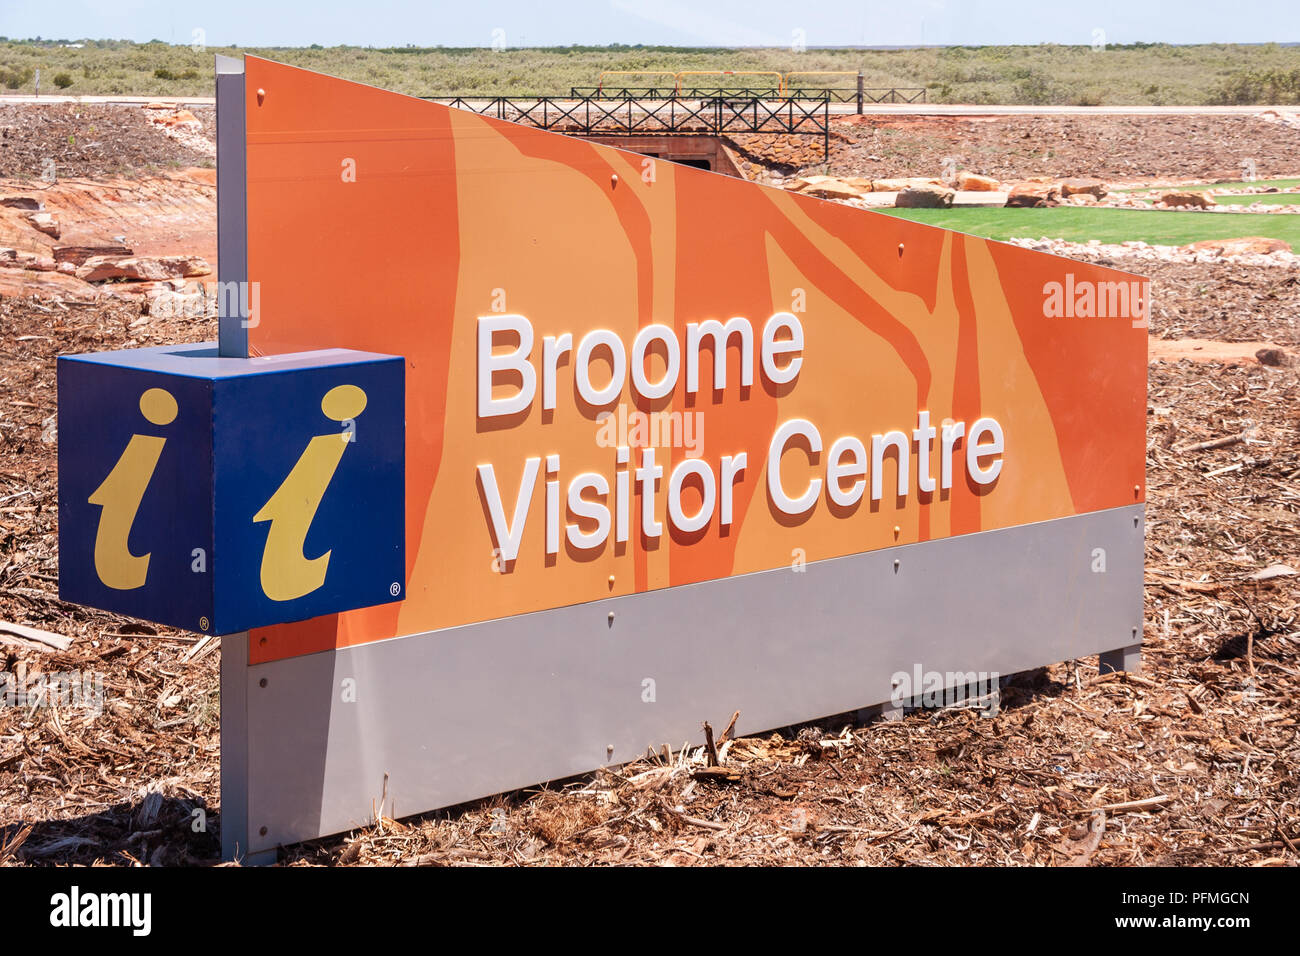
pixel 219 494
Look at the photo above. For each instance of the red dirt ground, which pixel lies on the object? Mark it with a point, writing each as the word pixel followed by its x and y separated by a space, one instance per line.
pixel 1195 761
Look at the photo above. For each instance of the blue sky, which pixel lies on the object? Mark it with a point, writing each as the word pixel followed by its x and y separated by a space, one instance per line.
pixel 668 22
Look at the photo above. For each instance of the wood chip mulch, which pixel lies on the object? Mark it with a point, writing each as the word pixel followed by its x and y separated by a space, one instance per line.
pixel 1195 761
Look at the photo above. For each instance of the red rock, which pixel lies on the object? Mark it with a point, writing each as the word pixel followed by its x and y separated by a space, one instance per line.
pixel 45 223
pixel 975 183
pixel 803 182
pixel 897 185
pixel 195 174
pixel 1256 245
pixel 22 202
pixel 101 268
pixel 77 255
pixel 14 259
pixel 1031 194
pixel 1083 186
pixel 924 197
pixel 179 118
pixel 834 189
pixel 1199 200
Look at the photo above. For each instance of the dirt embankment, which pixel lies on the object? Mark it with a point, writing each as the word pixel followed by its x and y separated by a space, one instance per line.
pixel 97 141
pixel 67 239
pixel 98 199
pixel 1114 148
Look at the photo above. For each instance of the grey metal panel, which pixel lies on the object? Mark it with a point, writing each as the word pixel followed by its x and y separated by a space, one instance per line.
pixel 232 266
pixel 466 712
pixel 232 203
pixel 234 745
pixel 1121 659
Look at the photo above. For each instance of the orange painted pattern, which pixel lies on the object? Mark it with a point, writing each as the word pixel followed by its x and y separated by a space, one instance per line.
pixel 451 214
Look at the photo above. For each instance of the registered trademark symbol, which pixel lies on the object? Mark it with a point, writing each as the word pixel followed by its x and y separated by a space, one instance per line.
pixel 394 589
pixel 203 624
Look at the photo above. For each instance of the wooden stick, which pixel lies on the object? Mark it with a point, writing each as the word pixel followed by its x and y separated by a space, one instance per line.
pixel 717 774
pixel 1096 827
pixel 695 821
pixel 189 656
pixel 1286 839
pixel 48 638
pixel 1223 471
pixel 1130 805
pixel 1210 445
pixel 11 848
pixel 1271 845
pixel 708 743
pixel 726 734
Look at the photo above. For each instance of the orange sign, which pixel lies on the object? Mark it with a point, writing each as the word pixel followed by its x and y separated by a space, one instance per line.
pixel 625 374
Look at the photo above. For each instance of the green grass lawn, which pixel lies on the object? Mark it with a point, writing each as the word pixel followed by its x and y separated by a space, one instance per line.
pixel 1158 227
pixel 1268 199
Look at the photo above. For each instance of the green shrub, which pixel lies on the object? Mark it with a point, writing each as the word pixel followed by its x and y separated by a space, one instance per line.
pixel 62 80
pixel 12 77
pixel 1047 73
pixel 1248 87
pixel 1033 88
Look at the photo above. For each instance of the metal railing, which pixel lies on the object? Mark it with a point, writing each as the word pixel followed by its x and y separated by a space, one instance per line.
pixel 895 95
pixel 838 94
pixel 780 87
pixel 698 93
pixel 716 116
